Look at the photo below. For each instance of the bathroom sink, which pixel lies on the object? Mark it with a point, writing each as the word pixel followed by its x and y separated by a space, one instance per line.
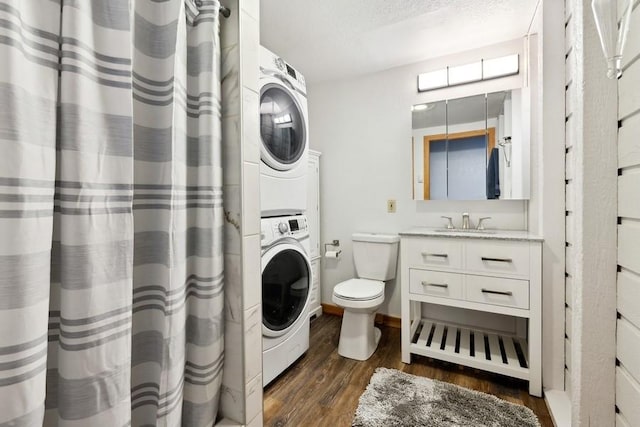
pixel 461 230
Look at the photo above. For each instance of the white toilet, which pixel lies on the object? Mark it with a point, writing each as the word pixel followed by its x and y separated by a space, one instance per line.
pixel 375 257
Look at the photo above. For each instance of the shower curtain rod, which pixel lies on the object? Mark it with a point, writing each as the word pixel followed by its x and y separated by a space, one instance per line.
pixel 225 11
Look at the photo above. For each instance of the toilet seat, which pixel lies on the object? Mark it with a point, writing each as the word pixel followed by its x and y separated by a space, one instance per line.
pixel 360 299
pixel 359 290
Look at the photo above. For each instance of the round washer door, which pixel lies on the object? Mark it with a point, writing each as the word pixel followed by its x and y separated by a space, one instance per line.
pixel 286 279
pixel 282 127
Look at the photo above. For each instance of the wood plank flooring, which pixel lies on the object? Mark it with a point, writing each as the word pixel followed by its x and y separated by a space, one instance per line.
pixel 322 388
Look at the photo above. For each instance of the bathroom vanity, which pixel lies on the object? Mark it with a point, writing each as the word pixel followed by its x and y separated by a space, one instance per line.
pixel 486 271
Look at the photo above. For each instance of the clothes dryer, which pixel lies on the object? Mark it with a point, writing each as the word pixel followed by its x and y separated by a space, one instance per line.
pixel 284 135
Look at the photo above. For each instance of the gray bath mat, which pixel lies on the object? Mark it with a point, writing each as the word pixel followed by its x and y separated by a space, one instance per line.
pixel 394 398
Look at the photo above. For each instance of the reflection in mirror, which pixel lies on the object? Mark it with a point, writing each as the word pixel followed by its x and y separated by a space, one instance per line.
pixel 471 148
pixel 468 137
pixel 429 166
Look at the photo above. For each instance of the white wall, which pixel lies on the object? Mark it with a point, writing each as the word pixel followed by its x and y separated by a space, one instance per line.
pixel 591 231
pixel 547 209
pixel 363 128
pixel 628 323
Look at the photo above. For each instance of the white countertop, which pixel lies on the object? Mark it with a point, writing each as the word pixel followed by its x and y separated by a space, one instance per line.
pixel 466 234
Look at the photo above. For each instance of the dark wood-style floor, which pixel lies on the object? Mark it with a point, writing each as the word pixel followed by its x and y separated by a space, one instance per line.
pixel 322 388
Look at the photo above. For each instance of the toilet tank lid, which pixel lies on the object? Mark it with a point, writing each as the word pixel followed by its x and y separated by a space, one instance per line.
pixel 375 237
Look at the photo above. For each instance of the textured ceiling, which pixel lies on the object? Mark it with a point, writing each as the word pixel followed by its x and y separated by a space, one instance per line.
pixel 332 39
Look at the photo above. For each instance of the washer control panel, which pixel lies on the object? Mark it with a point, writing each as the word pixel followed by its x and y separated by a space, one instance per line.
pixel 287 69
pixel 275 228
pixel 272 62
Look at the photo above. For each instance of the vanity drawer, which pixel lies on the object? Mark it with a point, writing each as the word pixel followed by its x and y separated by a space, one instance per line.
pixel 501 257
pixel 497 291
pixel 435 283
pixel 435 253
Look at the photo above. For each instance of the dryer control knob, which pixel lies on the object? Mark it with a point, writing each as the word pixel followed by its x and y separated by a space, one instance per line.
pixel 282 228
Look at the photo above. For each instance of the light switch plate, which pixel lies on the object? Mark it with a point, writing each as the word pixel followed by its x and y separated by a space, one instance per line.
pixel 391 206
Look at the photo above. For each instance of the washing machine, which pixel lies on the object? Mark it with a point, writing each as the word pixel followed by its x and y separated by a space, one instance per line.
pixel 284 132
pixel 286 282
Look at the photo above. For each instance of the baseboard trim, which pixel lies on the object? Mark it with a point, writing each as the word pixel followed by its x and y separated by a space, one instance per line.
pixel 315 313
pixel 559 406
pixel 332 310
pixel 381 319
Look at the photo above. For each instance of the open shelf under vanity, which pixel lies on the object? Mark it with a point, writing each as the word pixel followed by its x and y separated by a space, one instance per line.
pixel 501 353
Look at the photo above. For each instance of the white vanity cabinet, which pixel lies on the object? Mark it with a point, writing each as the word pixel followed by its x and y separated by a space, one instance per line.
pixel 495 273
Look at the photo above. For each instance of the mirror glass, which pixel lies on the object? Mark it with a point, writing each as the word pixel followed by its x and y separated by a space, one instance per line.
pixel 471 148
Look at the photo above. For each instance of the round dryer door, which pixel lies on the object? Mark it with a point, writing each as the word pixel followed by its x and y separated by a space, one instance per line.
pixel 282 127
pixel 286 277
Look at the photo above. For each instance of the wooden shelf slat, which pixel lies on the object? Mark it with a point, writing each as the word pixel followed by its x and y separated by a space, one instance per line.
pixel 479 360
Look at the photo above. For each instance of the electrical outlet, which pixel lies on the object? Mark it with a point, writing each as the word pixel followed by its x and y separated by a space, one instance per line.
pixel 391 206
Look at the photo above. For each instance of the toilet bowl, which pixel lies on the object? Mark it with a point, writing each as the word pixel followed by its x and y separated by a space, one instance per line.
pixel 375 258
pixel 360 299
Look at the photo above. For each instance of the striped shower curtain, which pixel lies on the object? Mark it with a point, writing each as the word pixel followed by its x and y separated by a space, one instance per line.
pixel 111 305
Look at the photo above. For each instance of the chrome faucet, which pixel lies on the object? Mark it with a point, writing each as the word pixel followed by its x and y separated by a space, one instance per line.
pixel 450 225
pixel 465 221
pixel 480 222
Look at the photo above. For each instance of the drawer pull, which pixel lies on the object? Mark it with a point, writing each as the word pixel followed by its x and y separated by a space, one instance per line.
pixel 436 255
pixel 497 259
pixel 437 285
pixel 489 291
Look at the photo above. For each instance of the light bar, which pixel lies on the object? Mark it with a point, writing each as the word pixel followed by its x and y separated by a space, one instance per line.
pixel 432 80
pixel 467 73
pixel 485 69
pixel 500 67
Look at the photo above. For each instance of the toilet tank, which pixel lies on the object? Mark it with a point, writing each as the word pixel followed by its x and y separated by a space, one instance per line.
pixel 375 255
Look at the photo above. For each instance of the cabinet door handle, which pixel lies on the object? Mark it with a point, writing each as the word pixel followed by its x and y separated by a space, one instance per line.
pixel 489 291
pixel 436 255
pixel 437 285
pixel 484 258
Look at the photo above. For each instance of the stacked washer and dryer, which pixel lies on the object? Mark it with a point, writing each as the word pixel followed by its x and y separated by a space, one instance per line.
pixel 286 268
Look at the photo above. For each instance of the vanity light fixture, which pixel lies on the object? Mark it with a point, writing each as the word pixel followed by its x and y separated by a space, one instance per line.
pixel 500 67
pixel 484 69
pixel 613 35
pixel 433 80
pixel 467 73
